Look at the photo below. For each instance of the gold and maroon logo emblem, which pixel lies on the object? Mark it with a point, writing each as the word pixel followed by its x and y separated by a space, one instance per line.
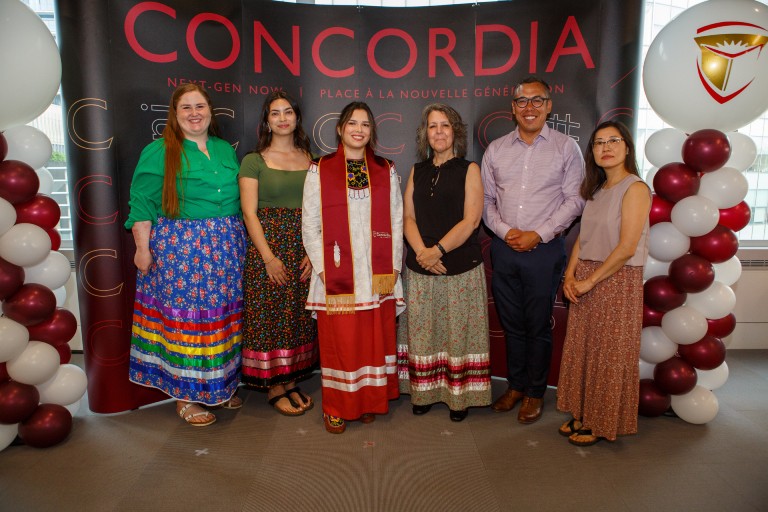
pixel 730 53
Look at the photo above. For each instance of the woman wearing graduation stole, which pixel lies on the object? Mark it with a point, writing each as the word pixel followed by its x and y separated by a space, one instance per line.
pixel 352 228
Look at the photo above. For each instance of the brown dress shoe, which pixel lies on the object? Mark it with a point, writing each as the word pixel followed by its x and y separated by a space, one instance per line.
pixel 507 401
pixel 367 418
pixel 530 411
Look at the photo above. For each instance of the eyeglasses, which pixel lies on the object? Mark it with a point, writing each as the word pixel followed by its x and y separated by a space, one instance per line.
pixel 612 141
pixel 522 101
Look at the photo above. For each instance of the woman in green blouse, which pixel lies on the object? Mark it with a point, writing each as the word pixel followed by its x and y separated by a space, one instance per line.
pixel 279 336
pixel 190 244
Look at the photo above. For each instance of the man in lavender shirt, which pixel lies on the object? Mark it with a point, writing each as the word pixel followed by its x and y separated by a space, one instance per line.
pixel 531 179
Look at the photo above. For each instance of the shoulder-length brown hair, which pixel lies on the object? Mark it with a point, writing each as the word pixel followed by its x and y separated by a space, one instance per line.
pixel 594 175
pixel 173 138
pixel 300 139
pixel 345 116
pixel 458 126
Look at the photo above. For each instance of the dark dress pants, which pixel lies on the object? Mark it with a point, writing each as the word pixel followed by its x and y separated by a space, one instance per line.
pixel 524 286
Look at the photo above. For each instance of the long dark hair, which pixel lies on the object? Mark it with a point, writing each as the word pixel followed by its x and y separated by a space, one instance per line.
pixel 458 126
pixel 173 138
pixel 345 116
pixel 300 139
pixel 594 175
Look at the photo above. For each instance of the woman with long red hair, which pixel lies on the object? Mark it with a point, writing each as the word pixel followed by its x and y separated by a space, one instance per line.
pixel 190 245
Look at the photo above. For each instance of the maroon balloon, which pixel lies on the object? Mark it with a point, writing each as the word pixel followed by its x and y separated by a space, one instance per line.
pixel 706 354
pixel 717 246
pixel 676 181
pixel 721 327
pixel 691 273
pixel 3 147
pixel 11 278
pixel 653 401
pixel 651 316
pixel 661 210
pixel 65 353
pixel 18 181
pixel 660 294
pixel 17 401
pixel 41 211
pixel 55 237
pixel 706 150
pixel 675 376
pixel 736 217
pixel 4 373
pixel 50 424
pixel 55 330
pixel 31 304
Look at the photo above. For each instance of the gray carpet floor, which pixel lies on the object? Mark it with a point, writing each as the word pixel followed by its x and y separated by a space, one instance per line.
pixel 254 459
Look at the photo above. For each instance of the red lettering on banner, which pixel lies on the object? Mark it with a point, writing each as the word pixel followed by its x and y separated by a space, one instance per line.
pixel 444 53
pixel 80 186
pixel 322 36
pixel 479 37
pixel 571 26
pixel 130 31
pixel 259 32
pixel 412 52
pixel 533 50
pixel 212 64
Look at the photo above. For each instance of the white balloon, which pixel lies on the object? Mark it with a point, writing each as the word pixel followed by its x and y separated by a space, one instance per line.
pixel 35 365
pixel 46 181
pixel 13 339
pixel 646 369
pixel 29 145
pixel 698 406
pixel 684 325
pixel 728 272
pixel 666 242
pixel 712 379
pixel 649 176
pixel 7 216
pixel 74 407
pixel 715 302
pixel 7 434
pixel 654 267
pixel 726 187
pixel 655 346
pixel 25 245
pixel 665 146
pixel 743 151
pixel 61 296
pixel 692 87
pixel 30 62
pixel 53 271
pixel 67 386
pixel 695 215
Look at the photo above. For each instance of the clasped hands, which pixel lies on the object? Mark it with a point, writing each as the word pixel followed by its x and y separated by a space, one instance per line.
pixel 429 259
pixel 522 241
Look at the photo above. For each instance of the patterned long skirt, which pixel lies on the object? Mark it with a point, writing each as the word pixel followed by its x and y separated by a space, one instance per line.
pixel 279 335
pixel 443 347
pixel 599 375
pixel 187 314
pixel 358 360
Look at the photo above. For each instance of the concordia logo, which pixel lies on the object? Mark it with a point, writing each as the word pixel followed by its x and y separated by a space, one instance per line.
pixel 729 56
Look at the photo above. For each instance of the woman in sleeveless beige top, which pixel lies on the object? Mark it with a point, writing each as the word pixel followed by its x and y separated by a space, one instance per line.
pixel 599 381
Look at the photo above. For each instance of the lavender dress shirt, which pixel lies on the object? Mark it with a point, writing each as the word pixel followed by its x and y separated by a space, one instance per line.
pixel 532 188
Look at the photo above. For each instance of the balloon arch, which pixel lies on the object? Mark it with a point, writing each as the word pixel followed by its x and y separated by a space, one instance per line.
pixel 705 75
pixel 39 390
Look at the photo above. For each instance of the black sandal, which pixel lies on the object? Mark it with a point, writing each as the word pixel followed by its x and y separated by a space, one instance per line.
pixel 584 432
pixel 304 398
pixel 273 402
pixel 568 429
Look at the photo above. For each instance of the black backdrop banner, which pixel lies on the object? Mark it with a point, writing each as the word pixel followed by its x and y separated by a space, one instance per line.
pixel 123 58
